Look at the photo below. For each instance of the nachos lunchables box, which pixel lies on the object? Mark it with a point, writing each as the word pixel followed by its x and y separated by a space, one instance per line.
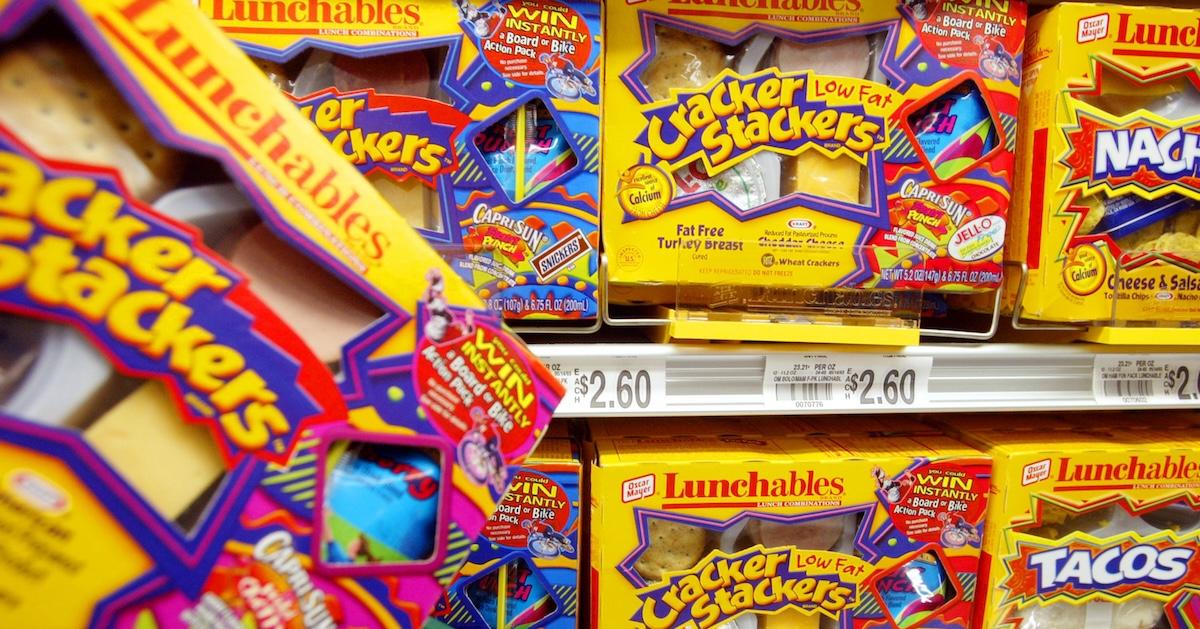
pixel 1091 528
pixel 1108 223
pixel 523 571
pixel 755 532
pixel 477 121
pixel 817 144
pixel 235 389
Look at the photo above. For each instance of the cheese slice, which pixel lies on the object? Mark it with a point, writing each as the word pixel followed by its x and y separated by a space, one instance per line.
pixel 411 199
pixel 169 462
pixel 811 172
pixel 839 178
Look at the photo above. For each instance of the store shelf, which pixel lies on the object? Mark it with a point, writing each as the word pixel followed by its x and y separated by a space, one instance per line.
pixel 729 379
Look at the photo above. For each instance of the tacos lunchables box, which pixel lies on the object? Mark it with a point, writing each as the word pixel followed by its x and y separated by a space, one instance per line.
pixel 479 123
pixel 1091 528
pixel 1108 226
pixel 815 144
pixel 752 532
pixel 523 571
pixel 235 389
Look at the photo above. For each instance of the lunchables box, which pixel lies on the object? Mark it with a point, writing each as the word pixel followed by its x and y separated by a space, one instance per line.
pixel 523 571
pixel 1107 194
pixel 1096 529
pixel 755 532
pixel 768 145
pixel 235 389
pixel 477 122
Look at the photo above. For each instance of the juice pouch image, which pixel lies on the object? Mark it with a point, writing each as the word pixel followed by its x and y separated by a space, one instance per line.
pixel 478 122
pixel 226 385
pixel 1090 528
pixel 753 531
pixel 852 145
pixel 1110 206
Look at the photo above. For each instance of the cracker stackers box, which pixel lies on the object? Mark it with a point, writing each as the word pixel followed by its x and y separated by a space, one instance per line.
pixel 235 388
pixel 1091 529
pixel 523 570
pixel 477 121
pixel 767 145
pixel 1109 223
pixel 752 532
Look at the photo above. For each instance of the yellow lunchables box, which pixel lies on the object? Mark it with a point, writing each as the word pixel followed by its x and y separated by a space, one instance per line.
pixel 807 144
pixel 792 532
pixel 1091 529
pixel 1106 190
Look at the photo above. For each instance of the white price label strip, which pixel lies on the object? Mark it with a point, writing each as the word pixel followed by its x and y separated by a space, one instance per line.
pixel 612 385
pixel 1146 379
pixel 846 381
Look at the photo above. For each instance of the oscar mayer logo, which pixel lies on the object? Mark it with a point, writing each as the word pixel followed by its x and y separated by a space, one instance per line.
pixel 794 485
pixel 735 116
pixel 763 580
pixel 396 135
pixel 356 13
pixel 1079 569
pixel 1136 152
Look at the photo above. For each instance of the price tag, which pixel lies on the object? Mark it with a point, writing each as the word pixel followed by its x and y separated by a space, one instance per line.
pixel 846 381
pixel 1146 379
pixel 612 385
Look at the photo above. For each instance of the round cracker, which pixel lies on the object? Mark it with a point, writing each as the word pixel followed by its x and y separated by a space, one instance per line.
pixel 62 105
pixel 682 60
pixel 673 546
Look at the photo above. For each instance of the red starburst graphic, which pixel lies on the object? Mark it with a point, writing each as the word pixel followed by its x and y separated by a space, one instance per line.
pixel 1132 135
pixel 1081 569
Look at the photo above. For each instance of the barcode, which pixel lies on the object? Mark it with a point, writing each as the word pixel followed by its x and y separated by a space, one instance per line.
pixel 805 391
pixel 1128 388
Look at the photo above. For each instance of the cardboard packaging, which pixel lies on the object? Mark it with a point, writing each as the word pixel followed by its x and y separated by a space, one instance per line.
pixel 1106 192
pixel 478 123
pixel 756 532
pixel 1091 528
pixel 184 266
pixel 530 550
pixel 828 144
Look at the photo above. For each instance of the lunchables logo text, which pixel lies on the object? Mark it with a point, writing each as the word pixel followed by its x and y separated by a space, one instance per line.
pixel 794 485
pixel 1079 568
pixel 725 586
pixel 1136 153
pixel 397 135
pixel 1135 468
pixel 734 116
pixel 329 12
pixel 800 6
pixel 1151 34
pixel 166 41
